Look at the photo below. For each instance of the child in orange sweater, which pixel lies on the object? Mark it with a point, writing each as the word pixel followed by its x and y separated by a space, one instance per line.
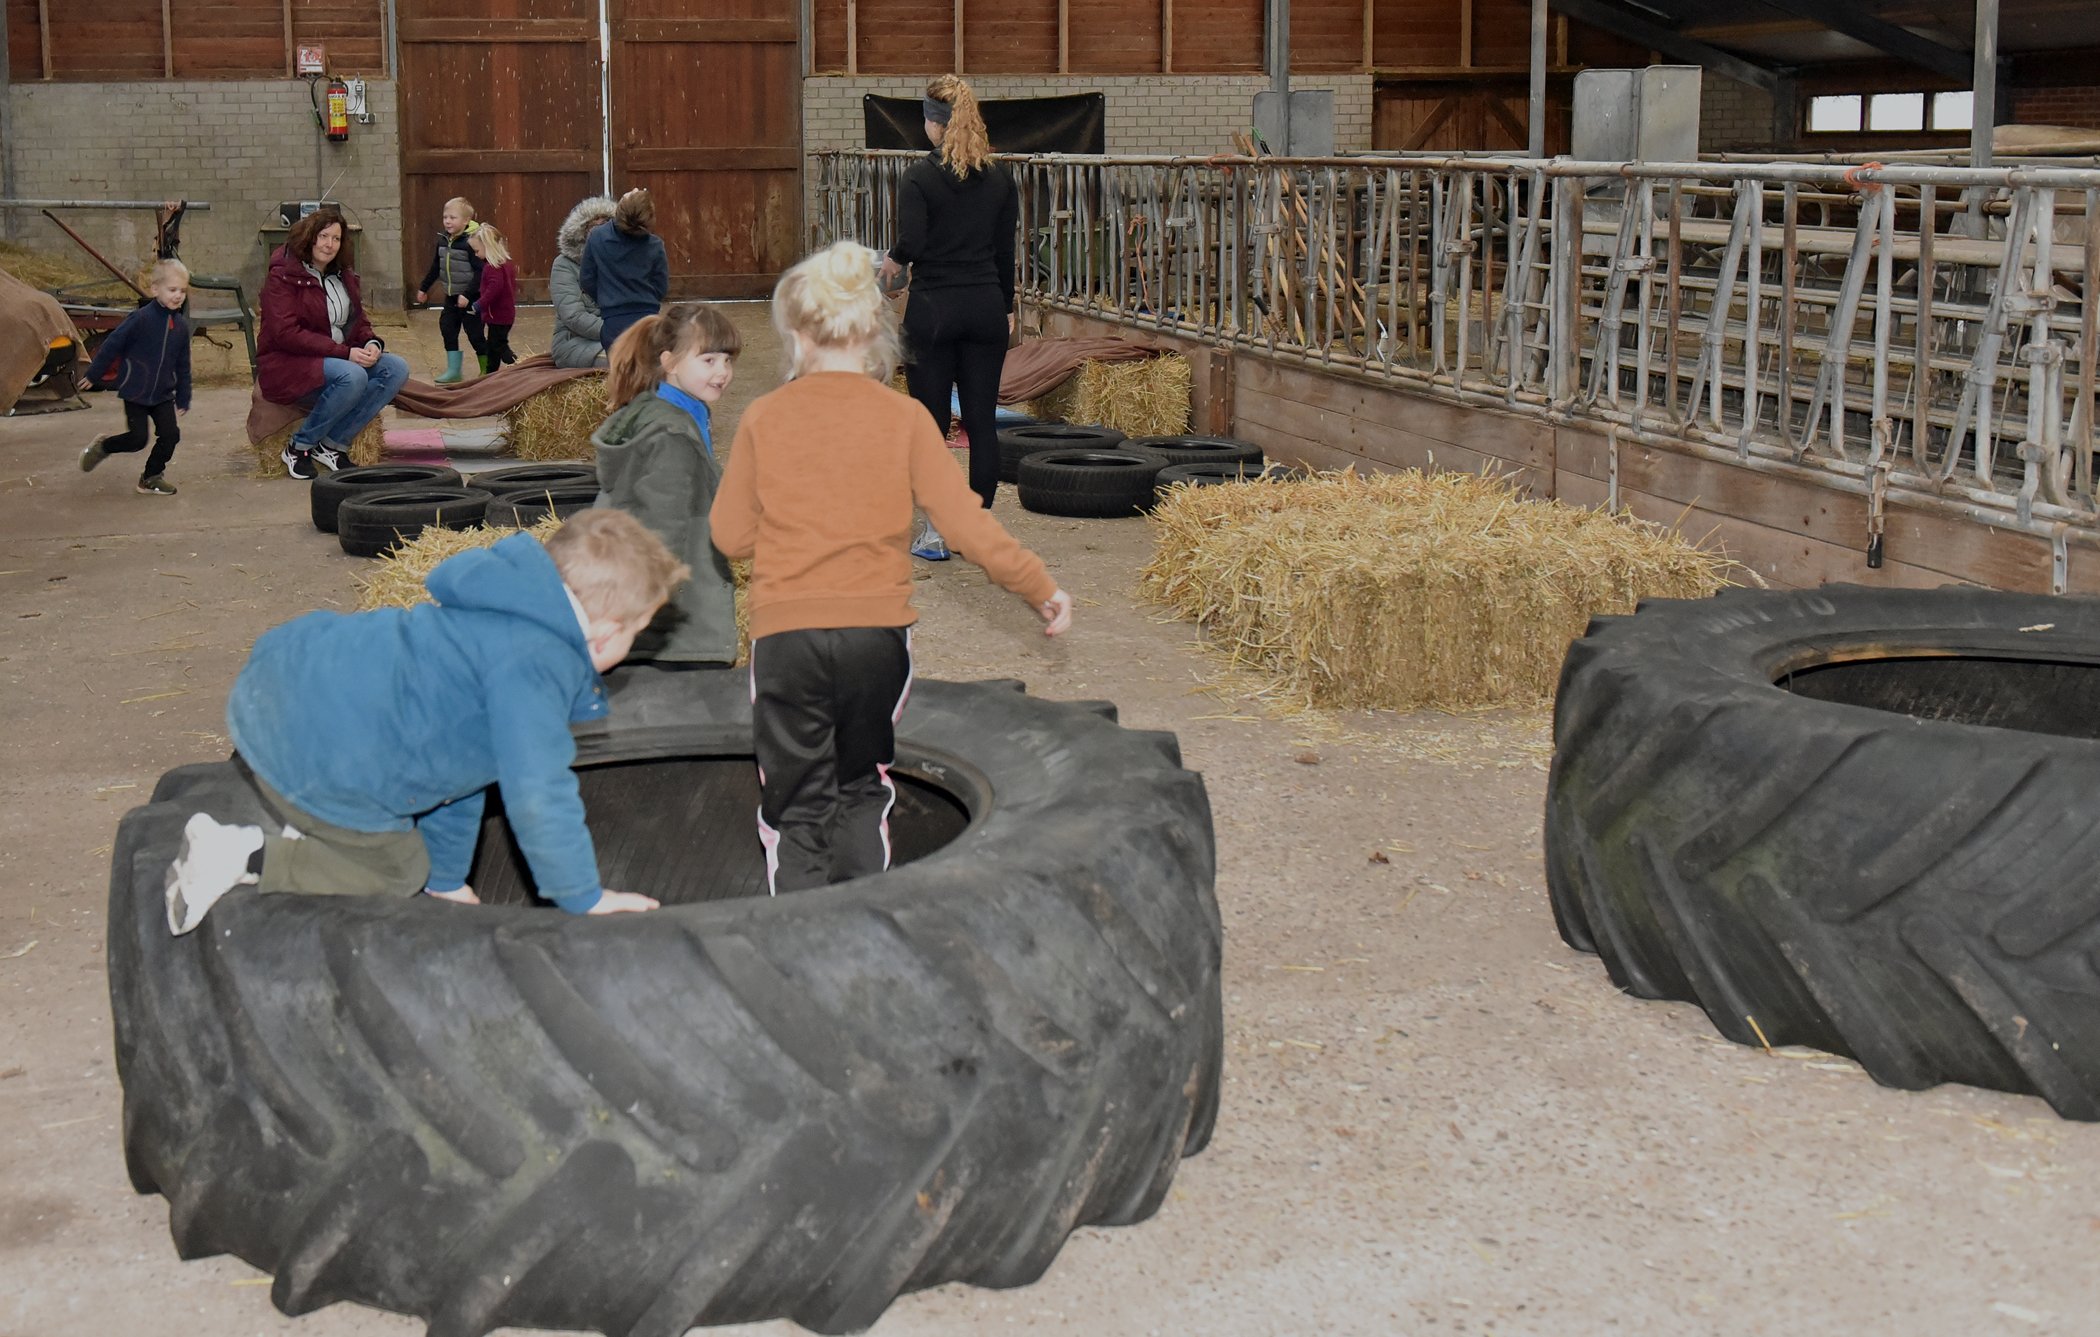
pixel 818 493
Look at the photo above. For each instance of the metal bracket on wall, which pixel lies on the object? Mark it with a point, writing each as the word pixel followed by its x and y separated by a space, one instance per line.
pixel 2059 560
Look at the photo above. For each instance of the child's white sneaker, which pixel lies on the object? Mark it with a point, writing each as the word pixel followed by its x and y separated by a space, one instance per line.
pixel 213 861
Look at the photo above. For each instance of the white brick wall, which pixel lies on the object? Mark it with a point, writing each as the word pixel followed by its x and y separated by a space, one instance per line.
pixel 1733 116
pixel 244 145
pixel 1194 114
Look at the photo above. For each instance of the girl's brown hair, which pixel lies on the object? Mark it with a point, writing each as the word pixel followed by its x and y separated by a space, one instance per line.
pixel 635 214
pixel 300 242
pixel 965 147
pixel 682 330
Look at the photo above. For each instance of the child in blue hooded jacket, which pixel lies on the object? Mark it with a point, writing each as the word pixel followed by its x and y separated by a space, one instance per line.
pixel 377 786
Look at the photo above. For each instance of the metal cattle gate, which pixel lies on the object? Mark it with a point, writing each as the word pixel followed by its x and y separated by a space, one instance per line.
pixel 1918 332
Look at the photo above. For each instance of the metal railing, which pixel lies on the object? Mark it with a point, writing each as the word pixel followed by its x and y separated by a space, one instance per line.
pixel 1920 329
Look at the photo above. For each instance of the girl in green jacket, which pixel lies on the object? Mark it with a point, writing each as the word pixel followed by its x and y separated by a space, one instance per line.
pixel 656 461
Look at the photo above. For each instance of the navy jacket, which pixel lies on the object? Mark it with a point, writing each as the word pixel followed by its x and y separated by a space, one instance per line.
pixel 150 353
pixel 429 706
pixel 623 274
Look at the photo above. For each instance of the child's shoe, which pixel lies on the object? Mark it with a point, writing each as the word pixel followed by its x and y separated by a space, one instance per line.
pixel 95 453
pixel 213 861
pixel 929 545
pixel 451 375
pixel 298 464
pixel 156 485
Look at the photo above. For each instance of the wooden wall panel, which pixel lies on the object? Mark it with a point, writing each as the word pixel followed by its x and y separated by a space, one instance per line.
pixel 1448 116
pixel 227 39
pixel 906 36
pixel 106 42
pixel 354 31
pixel 1218 36
pixel 1327 36
pixel 122 40
pixel 827 36
pixel 25 59
pixel 1115 36
pixel 1415 34
pixel 1502 33
pixel 1010 36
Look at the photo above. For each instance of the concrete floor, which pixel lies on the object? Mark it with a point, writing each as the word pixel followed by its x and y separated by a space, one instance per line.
pixel 1437 1118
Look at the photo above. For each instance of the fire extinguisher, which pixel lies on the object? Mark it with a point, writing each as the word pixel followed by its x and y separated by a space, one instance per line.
pixel 338 111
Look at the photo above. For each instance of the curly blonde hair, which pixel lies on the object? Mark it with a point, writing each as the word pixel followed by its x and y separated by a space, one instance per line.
pixel 833 300
pixel 965 147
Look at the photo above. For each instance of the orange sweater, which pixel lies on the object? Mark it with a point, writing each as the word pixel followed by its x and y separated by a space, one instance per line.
pixel 818 494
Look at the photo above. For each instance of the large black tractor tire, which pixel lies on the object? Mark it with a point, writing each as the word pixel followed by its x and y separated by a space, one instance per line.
pixel 723 1111
pixel 1208 450
pixel 370 523
pixel 1018 443
pixel 1089 484
pixel 1210 475
pixel 1857 819
pixel 330 491
pixel 527 506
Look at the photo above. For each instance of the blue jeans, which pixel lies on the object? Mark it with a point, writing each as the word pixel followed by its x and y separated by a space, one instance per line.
pixel 349 398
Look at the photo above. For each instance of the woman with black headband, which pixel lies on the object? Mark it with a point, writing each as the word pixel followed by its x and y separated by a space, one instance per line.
pixel 956 218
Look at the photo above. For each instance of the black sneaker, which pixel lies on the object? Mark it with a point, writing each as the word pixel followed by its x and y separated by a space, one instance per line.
pixel 329 458
pixel 299 464
pixel 156 486
pixel 94 454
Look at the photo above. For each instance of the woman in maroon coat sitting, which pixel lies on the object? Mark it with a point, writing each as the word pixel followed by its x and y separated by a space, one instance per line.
pixel 317 350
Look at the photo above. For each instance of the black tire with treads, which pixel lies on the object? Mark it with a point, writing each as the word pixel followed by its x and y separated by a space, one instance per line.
pixel 1863 818
pixel 1204 450
pixel 371 523
pixel 1018 443
pixel 329 491
pixel 1089 484
pixel 718 1112
pixel 524 507
pixel 516 476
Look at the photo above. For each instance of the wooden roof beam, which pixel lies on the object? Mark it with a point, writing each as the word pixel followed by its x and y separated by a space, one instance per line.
pixel 1843 16
pixel 1670 42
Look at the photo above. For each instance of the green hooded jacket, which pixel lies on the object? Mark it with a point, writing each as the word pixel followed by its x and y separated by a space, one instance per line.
pixel 653 464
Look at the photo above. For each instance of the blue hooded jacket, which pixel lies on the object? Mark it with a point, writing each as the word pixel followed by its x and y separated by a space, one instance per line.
pixel 425 707
pixel 150 354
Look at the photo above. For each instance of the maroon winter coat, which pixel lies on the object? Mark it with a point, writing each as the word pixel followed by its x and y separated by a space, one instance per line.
pixel 294 335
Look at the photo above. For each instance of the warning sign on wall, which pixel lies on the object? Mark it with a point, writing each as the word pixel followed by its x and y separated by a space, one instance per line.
pixel 313 60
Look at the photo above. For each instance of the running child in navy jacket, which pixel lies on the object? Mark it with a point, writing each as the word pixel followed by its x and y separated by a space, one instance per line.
pixel 498 303
pixel 146 360
pixel 377 787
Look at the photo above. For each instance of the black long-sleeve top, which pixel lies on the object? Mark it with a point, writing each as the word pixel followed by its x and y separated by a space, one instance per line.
pixel 957 233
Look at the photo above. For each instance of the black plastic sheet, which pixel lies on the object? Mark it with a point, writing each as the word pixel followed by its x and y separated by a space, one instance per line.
pixel 1076 124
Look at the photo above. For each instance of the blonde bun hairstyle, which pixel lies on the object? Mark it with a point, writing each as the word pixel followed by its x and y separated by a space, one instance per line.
pixel 833 300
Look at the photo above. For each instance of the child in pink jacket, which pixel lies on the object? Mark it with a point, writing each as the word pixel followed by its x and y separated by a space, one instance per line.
pixel 498 303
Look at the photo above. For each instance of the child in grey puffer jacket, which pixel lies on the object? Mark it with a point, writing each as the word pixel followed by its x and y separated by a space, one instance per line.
pixel 576 319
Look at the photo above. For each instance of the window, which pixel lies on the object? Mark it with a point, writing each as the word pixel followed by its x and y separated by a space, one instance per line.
pixel 1849 113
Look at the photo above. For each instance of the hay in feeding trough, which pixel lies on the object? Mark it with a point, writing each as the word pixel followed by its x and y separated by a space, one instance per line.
pixel 556 423
pixel 396 580
pixel 1149 397
pixel 368 448
pixel 1396 591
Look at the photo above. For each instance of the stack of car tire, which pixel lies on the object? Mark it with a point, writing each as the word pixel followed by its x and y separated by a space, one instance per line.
pixel 373 508
pixel 1097 472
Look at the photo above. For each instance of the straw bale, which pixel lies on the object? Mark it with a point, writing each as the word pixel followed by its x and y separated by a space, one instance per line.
pixel 39 269
pixel 556 423
pixel 1402 590
pixel 368 448
pixel 1149 397
pixel 396 580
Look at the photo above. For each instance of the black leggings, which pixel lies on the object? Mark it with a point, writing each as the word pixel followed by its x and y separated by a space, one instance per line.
pixel 137 417
pixel 957 340
pixel 499 353
pixel 456 318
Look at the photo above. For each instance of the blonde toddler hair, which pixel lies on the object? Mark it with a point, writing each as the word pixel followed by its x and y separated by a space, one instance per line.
pixel 965 146
pixel 488 239
pixel 466 210
pixel 832 299
pixel 619 571
pixel 167 269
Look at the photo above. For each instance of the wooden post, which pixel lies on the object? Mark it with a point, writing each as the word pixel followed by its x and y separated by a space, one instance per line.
pixel 1560 41
pixel 1370 27
pixel 167 44
pixel 291 53
pixel 853 36
pixel 1465 34
pixel 958 36
pixel 43 32
pixel 1064 36
pixel 1166 36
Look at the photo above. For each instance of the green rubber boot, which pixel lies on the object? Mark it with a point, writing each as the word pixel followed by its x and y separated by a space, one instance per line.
pixel 451 374
pixel 486 365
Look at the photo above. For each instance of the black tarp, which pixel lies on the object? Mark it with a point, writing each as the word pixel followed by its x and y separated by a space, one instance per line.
pixel 1016 125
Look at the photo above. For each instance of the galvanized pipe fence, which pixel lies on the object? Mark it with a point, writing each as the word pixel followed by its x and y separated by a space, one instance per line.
pixel 1842 321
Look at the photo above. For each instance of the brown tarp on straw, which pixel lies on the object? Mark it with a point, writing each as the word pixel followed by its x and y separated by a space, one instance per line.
pixel 484 397
pixel 1041 365
pixel 30 323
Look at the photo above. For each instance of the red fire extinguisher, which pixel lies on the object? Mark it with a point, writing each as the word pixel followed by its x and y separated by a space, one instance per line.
pixel 338 111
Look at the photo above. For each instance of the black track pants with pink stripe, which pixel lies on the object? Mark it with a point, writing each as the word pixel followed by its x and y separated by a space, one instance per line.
pixel 824 710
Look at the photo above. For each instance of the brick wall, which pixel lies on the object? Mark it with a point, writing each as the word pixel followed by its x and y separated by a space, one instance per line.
pixel 2057 106
pixel 1733 116
pixel 1147 113
pixel 242 145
